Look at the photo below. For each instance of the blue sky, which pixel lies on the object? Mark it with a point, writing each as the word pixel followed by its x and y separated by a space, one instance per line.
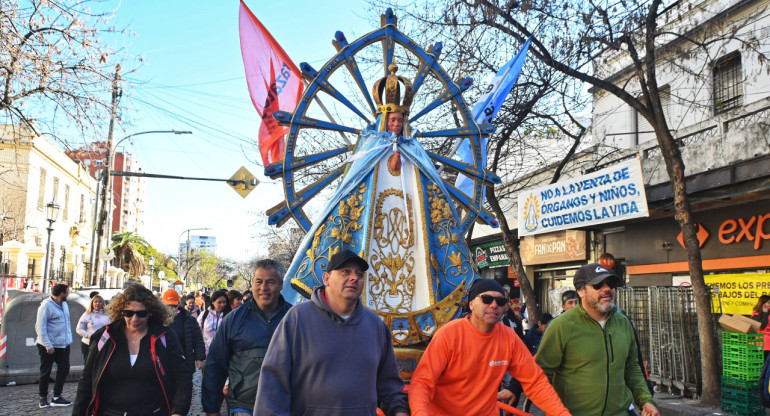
pixel 192 78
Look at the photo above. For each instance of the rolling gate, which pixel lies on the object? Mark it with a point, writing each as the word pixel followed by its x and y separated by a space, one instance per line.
pixel 667 326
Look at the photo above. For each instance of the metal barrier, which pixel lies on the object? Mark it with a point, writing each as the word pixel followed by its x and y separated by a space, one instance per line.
pixel 667 325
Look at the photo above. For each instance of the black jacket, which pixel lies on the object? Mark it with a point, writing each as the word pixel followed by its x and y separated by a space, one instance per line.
pixel 173 374
pixel 189 334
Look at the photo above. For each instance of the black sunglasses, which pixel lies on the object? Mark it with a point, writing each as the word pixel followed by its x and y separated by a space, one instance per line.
pixel 129 314
pixel 487 300
pixel 601 284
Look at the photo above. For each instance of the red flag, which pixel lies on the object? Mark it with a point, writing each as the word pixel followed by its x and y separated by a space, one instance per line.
pixel 274 81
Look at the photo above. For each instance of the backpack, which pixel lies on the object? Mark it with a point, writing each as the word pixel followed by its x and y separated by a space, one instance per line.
pixel 764 382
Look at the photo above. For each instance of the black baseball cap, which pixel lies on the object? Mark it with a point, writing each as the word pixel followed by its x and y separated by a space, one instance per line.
pixel 338 260
pixel 594 273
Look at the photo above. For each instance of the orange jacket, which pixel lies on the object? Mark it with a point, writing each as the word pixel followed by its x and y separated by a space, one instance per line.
pixel 461 370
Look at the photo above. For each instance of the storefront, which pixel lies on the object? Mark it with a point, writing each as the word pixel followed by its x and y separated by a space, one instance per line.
pixel 553 259
pixel 736 255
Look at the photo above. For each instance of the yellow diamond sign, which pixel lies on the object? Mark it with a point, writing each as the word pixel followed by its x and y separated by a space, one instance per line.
pixel 243 182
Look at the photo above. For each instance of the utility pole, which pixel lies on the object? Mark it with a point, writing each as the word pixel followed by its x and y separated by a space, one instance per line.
pixel 106 202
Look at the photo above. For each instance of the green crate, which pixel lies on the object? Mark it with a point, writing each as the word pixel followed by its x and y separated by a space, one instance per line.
pixel 747 360
pixel 742 364
pixel 741 402
pixel 736 338
pixel 746 349
pixel 742 385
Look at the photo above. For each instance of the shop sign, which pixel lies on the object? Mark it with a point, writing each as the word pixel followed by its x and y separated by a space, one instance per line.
pixel 558 247
pixel 739 292
pixel 491 255
pixel 735 230
pixel 608 195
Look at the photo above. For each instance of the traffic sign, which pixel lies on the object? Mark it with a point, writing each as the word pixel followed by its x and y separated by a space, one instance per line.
pixel 243 182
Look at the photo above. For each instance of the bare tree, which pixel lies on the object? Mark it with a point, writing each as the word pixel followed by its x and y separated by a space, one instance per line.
pixel 594 41
pixel 54 70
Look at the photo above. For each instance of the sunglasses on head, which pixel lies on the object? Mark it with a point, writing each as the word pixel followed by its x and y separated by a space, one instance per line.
pixel 129 314
pixel 601 284
pixel 487 300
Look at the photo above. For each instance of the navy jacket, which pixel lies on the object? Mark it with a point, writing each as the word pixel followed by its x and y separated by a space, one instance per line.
pixel 237 351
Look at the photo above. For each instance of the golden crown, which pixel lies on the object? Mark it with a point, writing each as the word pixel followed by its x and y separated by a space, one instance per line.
pixel 392 89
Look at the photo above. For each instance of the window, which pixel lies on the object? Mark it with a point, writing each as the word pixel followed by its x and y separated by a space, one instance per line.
pixel 82 211
pixel 87 162
pixel 728 83
pixel 55 189
pixel 41 195
pixel 99 163
pixel 65 213
pixel 644 130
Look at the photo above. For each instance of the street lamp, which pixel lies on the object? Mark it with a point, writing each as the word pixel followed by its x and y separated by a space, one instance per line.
pixel 51 214
pixel 152 269
pixel 106 210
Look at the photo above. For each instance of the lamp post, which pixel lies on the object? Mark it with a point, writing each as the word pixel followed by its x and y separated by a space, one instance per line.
pixel 152 269
pixel 105 215
pixel 51 214
pixel 187 251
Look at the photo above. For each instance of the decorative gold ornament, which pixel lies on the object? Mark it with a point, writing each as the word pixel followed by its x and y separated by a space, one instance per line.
pixel 390 86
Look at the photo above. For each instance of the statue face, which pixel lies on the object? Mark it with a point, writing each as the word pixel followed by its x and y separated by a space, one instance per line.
pixel 396 123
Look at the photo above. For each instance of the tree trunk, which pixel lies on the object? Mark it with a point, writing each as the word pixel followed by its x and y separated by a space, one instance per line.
pixel 708 345
pixel 512 250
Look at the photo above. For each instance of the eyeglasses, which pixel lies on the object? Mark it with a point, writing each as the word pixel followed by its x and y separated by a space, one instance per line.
pixel 601 284
pixel 130 314
pixel 487 300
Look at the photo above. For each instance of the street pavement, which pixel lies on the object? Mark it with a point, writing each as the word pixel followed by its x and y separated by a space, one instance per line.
pixel 668 405
pixel 22 400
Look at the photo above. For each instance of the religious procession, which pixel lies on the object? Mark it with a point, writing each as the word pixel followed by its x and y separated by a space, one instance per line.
pixel 412 289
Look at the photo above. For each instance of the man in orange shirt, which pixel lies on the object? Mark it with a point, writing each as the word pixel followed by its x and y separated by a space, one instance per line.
pixel 467 358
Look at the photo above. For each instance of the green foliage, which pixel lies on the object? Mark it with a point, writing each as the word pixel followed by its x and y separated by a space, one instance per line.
pixel 128 249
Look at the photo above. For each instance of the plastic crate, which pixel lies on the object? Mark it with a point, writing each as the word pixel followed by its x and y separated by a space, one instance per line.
pixel 742 385
pixel 736 338
pixel 741 402
pixel 745 350
pixel 741 369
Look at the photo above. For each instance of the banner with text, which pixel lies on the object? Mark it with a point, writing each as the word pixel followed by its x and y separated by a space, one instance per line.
pixel 739 292
pixel 612 194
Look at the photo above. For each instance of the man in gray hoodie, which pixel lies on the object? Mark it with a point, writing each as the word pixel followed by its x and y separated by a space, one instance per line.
pixel 54 336
pixel 332 355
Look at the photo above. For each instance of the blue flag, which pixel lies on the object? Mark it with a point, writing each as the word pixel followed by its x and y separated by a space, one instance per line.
pixel 486 109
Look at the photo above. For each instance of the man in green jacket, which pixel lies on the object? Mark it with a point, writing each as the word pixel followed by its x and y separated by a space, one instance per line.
pixel 589 352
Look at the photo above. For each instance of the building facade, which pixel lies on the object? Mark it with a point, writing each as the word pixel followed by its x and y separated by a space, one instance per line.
pixel 128 193
pixel 717 105
pixel 200 242
pixel 34 173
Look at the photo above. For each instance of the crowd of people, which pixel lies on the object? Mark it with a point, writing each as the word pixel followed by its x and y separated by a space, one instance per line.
pixel 331 355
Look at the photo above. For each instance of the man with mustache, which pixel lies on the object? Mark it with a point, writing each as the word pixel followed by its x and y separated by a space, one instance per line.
pixel 590 353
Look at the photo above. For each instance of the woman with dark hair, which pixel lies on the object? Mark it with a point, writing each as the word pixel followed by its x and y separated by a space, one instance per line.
pixel 211 318
pixel 236 299
pixel 135 365
pixel 91 320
